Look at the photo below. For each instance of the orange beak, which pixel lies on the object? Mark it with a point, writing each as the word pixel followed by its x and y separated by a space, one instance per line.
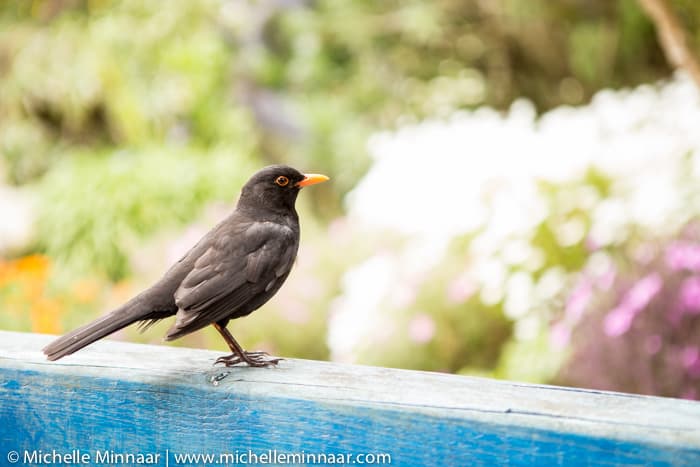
pixel 312 179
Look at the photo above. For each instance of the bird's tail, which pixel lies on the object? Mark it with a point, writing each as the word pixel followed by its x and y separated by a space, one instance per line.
pixel 131 312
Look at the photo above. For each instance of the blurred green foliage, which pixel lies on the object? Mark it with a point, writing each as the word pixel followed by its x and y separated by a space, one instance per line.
pixel 126 118
pixel 106 205
pixel 280 82
pixel 295 81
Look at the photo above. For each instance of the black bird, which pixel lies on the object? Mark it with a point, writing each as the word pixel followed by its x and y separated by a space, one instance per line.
pixel 231 272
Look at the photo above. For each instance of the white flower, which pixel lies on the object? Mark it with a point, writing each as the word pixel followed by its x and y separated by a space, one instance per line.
pixel 482 172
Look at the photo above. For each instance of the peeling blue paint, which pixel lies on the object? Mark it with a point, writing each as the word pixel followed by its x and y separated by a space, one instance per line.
pixel 65 413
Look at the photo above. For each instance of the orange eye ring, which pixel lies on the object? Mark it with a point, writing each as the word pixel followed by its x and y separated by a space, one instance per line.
pixel 282 180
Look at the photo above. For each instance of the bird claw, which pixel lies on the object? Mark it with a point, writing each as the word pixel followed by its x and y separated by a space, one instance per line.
pixel 254 359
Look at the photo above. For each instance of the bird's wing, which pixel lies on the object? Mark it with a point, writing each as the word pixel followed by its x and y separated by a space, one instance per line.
pixel 231 272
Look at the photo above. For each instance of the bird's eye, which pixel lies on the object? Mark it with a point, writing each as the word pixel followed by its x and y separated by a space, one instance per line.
pixel 282 180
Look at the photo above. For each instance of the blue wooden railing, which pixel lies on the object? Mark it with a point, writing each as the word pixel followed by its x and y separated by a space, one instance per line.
pixel 129 404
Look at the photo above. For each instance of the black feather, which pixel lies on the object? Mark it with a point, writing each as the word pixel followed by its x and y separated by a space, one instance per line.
pixel 232 271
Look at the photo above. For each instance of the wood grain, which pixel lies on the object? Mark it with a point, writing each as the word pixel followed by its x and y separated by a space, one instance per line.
pixel 132 398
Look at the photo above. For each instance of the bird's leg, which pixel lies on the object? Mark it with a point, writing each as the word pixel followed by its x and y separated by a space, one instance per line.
pixel 239 355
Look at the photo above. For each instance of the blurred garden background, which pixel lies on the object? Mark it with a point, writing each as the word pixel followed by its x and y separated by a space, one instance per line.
pixel 515 184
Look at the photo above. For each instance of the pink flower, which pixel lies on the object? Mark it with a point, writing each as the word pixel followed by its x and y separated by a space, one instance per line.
pixel 618 322
pixel 421 328
pixel 683 255
pixel 690 295
pixel 591 243
pixel 560 335
pixel 690 357
pixel 578 300
pixel 642 292
pixel 606 280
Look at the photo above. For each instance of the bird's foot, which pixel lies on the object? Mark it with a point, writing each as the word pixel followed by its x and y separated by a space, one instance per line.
pixel 256 359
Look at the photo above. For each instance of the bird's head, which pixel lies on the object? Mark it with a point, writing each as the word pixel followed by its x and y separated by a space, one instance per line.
pixel 276 187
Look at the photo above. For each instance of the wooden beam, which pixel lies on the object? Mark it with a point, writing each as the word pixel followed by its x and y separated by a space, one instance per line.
pixel 125 398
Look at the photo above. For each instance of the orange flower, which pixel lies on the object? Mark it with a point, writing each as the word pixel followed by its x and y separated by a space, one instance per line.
pixel 7 272
pixel 33 270
pixel 34 265
pixel 45 315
